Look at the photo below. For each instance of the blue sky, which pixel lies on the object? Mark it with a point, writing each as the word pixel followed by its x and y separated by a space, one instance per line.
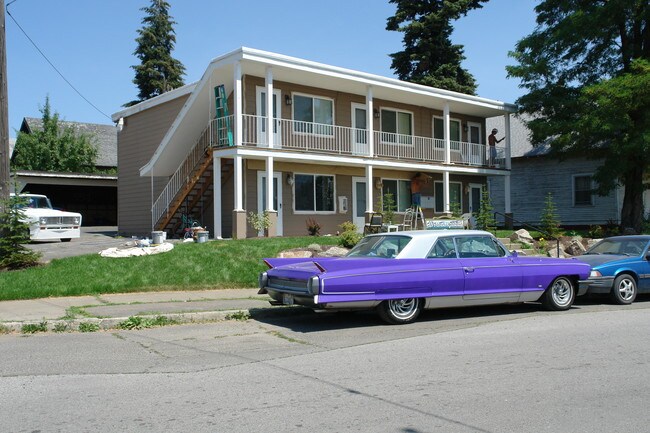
pixel 92 42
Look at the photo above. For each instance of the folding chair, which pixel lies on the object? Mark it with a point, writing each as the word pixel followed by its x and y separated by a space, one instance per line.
pixel 374 224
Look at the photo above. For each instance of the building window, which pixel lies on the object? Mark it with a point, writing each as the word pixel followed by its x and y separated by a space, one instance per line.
pixel 454 196
pixel 396 126
pixel 401 191
pixel 313 115
pixel 439 129
pixel 582 190
pixel 314 193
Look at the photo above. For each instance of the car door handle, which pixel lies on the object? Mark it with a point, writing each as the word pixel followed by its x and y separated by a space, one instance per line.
pixel 468 270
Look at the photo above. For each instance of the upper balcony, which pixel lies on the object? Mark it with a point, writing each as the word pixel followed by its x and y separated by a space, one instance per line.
pixel 318 138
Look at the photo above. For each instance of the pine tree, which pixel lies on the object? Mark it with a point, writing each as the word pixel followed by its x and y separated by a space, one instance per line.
pixel 550 220
pixel 485 218
pixel 158 72
pixel 14 232
pixel 54 147
pixel 429 57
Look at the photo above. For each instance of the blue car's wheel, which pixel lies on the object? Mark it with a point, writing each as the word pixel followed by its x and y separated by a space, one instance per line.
pixel 400 311
pixel 559 295
pixel 624 290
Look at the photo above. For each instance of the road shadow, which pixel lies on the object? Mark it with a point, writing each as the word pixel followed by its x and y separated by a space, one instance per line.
pixel 304 320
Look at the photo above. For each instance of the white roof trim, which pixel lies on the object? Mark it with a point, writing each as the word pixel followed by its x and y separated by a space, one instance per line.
pixel 149 103
pixel 367 78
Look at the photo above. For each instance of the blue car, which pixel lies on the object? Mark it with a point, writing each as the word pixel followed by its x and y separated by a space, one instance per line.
pixel 620 267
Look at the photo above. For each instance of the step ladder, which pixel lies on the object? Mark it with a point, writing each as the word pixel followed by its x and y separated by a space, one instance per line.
pixel 419 218
pixel 224 127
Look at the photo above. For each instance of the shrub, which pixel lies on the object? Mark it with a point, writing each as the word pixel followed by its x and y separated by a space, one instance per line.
pixel 349 236
pixel 313 228
pixel 14 232
pixel 259 221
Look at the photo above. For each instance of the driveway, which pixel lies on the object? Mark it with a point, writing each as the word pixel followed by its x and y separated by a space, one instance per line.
pixel 92 241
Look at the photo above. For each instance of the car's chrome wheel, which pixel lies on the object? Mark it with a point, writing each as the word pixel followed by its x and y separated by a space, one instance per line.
pixel 624 290
pixel 560 294
pixel 400 311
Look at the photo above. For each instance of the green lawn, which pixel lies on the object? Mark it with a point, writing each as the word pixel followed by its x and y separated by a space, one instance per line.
pixel 189 266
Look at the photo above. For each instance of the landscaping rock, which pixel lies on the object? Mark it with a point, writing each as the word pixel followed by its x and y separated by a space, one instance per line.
pixel 334 252
pixel 574 247
pixel 296 254
pixel 522 235
pixel 553 252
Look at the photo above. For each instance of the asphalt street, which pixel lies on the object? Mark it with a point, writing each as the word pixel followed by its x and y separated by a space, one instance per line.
pixel 491 369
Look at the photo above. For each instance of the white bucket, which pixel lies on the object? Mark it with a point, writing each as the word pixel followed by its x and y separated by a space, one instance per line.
pixel 157 238
pixel 202 236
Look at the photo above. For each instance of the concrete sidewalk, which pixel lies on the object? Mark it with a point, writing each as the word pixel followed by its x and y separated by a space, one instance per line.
pixel 107 311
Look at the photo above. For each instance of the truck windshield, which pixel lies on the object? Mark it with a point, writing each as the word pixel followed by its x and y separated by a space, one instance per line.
pixel 35 202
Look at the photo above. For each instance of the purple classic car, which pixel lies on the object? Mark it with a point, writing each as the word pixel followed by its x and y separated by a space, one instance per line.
pixel 401 273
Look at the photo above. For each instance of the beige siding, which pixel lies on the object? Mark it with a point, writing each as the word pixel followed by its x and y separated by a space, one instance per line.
pixel 137 142
pixel 422 117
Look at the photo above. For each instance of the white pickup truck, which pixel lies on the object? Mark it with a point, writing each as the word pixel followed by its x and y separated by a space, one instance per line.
pixel 46 223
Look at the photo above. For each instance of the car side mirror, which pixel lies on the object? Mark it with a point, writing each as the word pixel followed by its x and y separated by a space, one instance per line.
pixel 514 253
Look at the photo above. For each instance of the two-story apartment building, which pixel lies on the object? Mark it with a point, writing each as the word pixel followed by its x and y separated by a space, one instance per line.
pixel 337 141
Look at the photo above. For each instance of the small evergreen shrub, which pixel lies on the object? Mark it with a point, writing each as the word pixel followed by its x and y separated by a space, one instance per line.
pixel 349 236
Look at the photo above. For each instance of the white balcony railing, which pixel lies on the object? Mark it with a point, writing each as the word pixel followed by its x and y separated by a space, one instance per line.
pixel 343 140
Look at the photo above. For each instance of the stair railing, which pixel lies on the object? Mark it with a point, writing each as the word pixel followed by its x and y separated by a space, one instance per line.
pixel 530 226
pixel 181 176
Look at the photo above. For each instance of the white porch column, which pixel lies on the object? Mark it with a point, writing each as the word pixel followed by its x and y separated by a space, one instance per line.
pixel 239 184
pixel 269 110
pixel 369 187
pixel 508 154
pixel 237 98
pixel 269 184
pixel 506 188
pixel 445 192
pixel 216 200
pixel 370 117
pixel 446 129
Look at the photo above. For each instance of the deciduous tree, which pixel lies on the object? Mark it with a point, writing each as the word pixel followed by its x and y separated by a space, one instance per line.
pixel 587 72
pixel 429 57
pixel 54 147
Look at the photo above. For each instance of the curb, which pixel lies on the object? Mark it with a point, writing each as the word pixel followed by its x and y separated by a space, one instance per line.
pixel 105 324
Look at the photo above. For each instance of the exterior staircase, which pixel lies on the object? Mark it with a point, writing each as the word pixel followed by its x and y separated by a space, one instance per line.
pixel 190 189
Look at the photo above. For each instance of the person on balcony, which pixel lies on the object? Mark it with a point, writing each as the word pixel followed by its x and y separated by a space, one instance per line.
pixel 492 141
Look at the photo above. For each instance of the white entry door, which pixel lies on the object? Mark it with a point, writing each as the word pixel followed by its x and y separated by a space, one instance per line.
pixel 277 197
pixel 359 129
pixel 261 121
pixel 359 202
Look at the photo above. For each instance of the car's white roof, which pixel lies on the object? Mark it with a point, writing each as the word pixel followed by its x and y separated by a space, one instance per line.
pixel 423 240
pixel 435 233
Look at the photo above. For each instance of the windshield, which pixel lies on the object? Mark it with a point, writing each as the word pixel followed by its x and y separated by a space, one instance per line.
pixel 624 247
pixel 387 246
pixel 34 202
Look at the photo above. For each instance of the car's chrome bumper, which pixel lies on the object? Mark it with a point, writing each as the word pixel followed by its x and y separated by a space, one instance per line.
pixel 595 285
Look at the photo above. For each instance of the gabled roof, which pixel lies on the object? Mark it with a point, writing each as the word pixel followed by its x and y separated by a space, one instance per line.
pixel 520 144
pixel 192 119
pixel 103 136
